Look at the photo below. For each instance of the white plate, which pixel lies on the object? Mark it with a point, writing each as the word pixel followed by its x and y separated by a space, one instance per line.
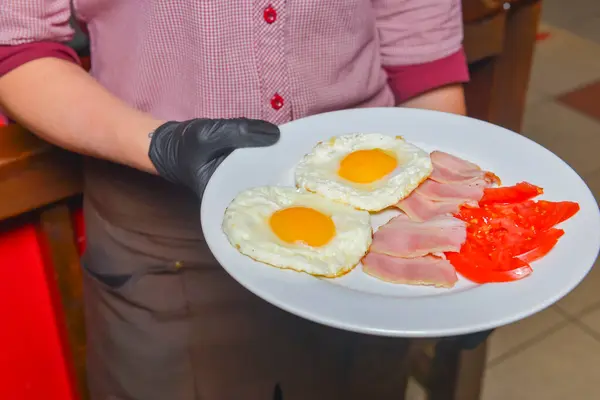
pixel 360 303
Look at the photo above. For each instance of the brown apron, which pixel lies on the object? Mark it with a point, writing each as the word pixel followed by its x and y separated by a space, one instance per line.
pixel 166 322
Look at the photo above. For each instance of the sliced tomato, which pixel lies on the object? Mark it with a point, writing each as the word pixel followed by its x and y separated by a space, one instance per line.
pixel 537 215
pixel 473 215
pixel 511 225
pixel 510 194
pixel 503 260
pixel 543 215
pixel 542 245
pixel 476 268
pixel 507 232
pixel 537 240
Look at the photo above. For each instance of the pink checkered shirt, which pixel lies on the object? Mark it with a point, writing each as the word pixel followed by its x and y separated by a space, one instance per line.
pixel 270 59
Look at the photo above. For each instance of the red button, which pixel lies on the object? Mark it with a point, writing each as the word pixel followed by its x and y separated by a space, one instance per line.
pixel 270 15
pixel 276 102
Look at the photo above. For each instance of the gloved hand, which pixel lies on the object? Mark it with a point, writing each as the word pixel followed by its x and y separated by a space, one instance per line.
pixel 187 153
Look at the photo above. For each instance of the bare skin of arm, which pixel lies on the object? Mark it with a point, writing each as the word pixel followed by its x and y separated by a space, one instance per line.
pixel 449 99
pixel 64 105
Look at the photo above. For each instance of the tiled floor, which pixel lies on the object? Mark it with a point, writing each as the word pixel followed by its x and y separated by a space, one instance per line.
pixel 581 17
pixel 555 354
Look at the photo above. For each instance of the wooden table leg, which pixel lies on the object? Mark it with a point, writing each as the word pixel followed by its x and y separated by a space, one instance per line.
pixel 447 372
pixel 498 88
pixel 58 240
pixel 471 371
pixel 457 374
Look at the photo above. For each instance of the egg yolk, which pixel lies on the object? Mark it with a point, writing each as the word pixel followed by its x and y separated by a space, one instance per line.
pixel 302 225
pixel 366 166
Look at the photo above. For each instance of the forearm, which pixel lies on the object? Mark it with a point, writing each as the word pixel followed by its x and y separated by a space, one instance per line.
pixel 449 99
pixel 62 104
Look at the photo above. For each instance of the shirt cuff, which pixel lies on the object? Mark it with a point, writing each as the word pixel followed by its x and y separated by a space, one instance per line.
pixel 408 81
pixel 12 57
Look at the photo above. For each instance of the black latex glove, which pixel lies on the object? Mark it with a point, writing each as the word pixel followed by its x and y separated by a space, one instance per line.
pixel 187 153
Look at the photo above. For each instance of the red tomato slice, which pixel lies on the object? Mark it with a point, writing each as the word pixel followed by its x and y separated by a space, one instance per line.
pixel 510 194
pixel 507 232
pixel 503 260
pixel 473 215
pixel 548 214
pixel 542 245
pixel 474 269
pixel 540 215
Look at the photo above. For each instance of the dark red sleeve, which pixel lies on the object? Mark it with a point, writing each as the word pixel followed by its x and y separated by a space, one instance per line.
pixel 12 57
pixel 409 81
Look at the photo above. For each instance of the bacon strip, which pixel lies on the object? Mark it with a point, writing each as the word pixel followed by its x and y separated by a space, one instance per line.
pixel 426 270
pixel 444 192
pixel 419 208
pixel 402 237
pixel 407 249
pixel 454 163
pixel 453 182
pixel 448 168
pixel 451 169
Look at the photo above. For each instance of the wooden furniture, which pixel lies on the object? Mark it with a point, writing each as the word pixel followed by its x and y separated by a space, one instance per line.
pixel 499 45
pixel 37 180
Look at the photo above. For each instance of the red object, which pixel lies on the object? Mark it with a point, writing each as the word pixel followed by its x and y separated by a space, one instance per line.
pixel 277 101
pixel 475 268
pixel 542 245
pixel 408 81
pixel 504 237
pixel 34 356
pixel 12 57
pixel 510 194
pixel 79 230
pixel 541 36
pixel 86 63
pixel 270 15
pixel 543 215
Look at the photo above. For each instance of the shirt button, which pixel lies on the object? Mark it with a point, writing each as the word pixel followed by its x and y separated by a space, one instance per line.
pixel 270 15
pixel 276 101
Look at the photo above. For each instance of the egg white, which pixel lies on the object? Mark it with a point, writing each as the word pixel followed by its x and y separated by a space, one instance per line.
pixel 318 171
pixel 246 225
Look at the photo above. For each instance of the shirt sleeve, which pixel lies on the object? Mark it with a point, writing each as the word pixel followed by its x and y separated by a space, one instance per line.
pixel 34 29
pixel 421 44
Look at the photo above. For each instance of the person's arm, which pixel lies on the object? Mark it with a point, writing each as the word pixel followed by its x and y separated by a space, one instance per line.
pixel 64 105
pixel 43 88
pixel 449 99
pixel 421 50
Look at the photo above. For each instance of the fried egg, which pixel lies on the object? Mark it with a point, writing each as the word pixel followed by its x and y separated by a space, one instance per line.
pixel 367 171
pixel 293 229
